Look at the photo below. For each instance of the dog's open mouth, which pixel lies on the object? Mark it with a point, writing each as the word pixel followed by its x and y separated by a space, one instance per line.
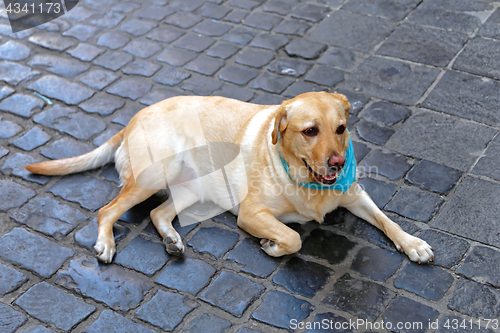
pixel 326 179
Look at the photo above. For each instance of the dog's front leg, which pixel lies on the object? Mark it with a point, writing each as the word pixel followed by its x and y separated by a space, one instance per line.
pixel 277 238
pixel 360 204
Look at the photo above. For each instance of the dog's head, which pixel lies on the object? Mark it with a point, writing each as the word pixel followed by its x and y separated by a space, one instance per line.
pixel 311 132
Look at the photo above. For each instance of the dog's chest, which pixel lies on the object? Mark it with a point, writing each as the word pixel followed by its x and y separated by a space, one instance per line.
pixel 310 207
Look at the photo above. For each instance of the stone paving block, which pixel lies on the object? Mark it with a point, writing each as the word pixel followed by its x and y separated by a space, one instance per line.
pixel 379 191
pixel 292 27
pixel 87 236
pixel 13 195
pixel 11 280
pixel 433 176
pixel 271 83
pixel 183 20
pixel 362 298
pixel 448 250
pixel 238 74
pixel 262 21
pixel 205 321
pixel 105 136
pixel 53 306
pixel 490 27
pixel 392 166
pixel 414 203
pixel 6 30
pixel 300 87
pixel 486 165
pixel 327 322
pixel 302 277
pixel 142 48
pixel 49 216
pixel 85 52
pixel 186 5
pixel 165 34
pixel 137 27
pixel 340 58
pixel 158 95
pixel 360 150
pixel 373 132
pixel 113 60
pixel 166 310
pixel 126 7
pixel 171 76
pixel 391 80
pixel 254 260
pixel 357 101
pixel 270 42
pixel 214 11
pixel 215 241
pixel 13 73
pixel 130 88
pixel 176 57
pixel 67 120
pixel 386 112
pixel 56 87
pixel 481 264
pixel 432 134
pixel 111 322
pixel 113 40
pixel 476 300
pixel 232 293
pixel 254 58
pixel 64 148
pixel 14 165
pixel 304 49
pixel 325 75
pixel 485 65
pixel 205 65
pixel 125 114
pixel 21 104
pixel 156 13
pixel 102 104
pixel 201 85
pixel 247 330
pixel 379 264
pixel 34 138
pixel 415 278
pixel 107 20
pixel 405 310
pixel 6 91
pixel 238 93
pixel 38 329
pixel 194 42
pixel 243 36
pixel 143 255
pixel 89 192
pixel 52 41
pixel 466 96
pixel 353 31
pixel 141 67
pixel 8 129
pixel 98 78
pixel 10 319
pixel 292 67
pixel 390 9
pixel 212 29
pixel 236 16
pixel 79 14
pixel 463 16
pixel 186 274
pixel 431 46
pixel 223 50
pixel 326 245
pixel 278 308
pixel 33 252
pixel 310 12
pixel 227 218
pixel 15 51
pixel 81 32
pixel 90 278
pixel 268 99
pixel 278 7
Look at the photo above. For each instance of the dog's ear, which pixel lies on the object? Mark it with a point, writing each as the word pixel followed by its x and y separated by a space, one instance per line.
pixel 280 122
pixel 344 102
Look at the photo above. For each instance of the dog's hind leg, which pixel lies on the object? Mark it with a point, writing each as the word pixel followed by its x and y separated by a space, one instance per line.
pixel 163 215
pixel 130 195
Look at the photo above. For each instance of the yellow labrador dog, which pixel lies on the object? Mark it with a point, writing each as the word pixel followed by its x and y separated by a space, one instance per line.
pixel 285 147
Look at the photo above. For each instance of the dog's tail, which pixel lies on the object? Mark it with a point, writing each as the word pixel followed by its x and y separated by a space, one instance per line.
pixel 98 157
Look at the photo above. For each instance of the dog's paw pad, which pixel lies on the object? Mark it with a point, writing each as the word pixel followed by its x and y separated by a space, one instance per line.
pixel 173 247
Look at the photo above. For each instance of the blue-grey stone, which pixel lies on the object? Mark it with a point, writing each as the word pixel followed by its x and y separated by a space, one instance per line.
pixel 215 241
pixel 254 260
pixel 87 236
pixel 11 279
pixel 14 165
pixel 56 87
pixel 21 104
pixel 35 137
pixel 111 322
pixel 13 195
pixel 415 278
pixel 14 51
pixel 64 148
pixel 14 73
pixel 10 319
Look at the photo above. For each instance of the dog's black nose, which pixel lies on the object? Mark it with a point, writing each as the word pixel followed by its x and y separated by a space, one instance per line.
pixel 336 162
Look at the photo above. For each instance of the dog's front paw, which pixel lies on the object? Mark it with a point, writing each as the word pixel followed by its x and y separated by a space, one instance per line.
pixel 271 248
pixel 105 250
pixel 174 245
pixel 416 249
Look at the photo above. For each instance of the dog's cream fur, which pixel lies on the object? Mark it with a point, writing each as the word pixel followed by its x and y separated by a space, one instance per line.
pixel 261 132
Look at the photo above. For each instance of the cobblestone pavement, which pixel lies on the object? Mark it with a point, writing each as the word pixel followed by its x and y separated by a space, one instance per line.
pixel 423 80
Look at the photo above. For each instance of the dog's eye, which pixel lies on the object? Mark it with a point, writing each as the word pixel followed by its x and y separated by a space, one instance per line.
pixel 313 131
pixel 340 129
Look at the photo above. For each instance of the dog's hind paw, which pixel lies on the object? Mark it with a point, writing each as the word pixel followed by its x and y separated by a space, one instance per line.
pixel 271 248
pixel 105 251
pixel 174 247
pixel 416 249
